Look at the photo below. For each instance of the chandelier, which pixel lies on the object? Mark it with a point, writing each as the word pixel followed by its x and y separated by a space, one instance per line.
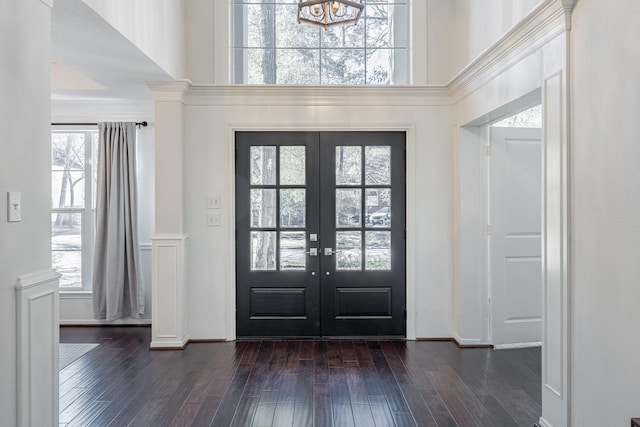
pixel 329 13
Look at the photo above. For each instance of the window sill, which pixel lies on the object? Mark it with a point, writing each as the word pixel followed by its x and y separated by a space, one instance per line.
pixel 76 294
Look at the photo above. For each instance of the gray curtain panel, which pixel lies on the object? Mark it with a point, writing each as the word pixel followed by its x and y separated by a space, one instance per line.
pixel 117 288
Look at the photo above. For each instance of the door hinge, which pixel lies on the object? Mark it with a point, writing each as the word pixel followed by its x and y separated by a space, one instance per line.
pixel 487 150
pixel 489 307
pixel 489 230
pixel 405 314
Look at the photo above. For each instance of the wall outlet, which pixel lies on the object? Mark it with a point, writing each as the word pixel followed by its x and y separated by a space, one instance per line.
pixel 14 206
pixel 213 219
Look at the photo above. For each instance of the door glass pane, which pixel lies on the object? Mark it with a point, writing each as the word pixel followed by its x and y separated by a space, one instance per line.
pixel 292 207
pixel 348 165
pixel 263 207
pixel 349 250
pixel 263 250
pixel 263 165
pixel 292 248
pixel 292 165
pixel 348 207
pixel 378 250
pixel 378 207
pixel 66 247
pixel 377 165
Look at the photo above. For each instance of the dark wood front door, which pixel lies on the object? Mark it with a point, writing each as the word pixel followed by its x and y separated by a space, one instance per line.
pixel 320 223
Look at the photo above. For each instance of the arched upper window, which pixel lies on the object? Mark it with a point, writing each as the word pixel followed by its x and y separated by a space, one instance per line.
pixel 271 47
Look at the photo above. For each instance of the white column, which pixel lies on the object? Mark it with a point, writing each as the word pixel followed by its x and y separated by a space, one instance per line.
pixel 169 328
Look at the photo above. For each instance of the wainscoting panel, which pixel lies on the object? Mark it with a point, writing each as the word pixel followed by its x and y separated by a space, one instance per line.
pixel 169 293
pixel 37 336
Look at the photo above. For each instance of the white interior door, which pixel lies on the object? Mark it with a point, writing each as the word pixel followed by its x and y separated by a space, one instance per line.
pixel 516 270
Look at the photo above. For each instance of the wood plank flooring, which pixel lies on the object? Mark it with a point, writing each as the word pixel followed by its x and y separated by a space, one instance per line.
pixel 295 383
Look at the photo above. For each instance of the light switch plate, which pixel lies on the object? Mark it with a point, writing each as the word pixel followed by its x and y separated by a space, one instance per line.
pixel 214 202
pixel 14 206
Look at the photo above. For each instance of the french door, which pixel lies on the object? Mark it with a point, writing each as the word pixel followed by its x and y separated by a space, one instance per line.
pixel 320 244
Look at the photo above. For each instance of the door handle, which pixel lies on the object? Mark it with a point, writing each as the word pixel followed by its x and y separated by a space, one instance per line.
pixel 312 252
pixel 330 251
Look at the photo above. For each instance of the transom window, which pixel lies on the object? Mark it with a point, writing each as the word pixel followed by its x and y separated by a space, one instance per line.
pixel 270 47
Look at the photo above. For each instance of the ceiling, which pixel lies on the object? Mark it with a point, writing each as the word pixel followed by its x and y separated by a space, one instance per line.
pixel 92 61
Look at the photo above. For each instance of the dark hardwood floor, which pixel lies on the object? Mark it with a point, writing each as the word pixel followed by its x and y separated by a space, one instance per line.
pixel 295 383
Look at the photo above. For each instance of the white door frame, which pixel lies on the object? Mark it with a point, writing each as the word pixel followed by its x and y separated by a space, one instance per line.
pixel 408 128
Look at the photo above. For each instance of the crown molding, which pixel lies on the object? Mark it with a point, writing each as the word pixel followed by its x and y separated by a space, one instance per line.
pixel 170 91
pixel 274 95
pixel 547 21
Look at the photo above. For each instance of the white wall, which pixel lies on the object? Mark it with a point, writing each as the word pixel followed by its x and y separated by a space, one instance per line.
pixel 154 26
pixel 606 247
pixel 210 119
pixel 460 30
pixel 25 247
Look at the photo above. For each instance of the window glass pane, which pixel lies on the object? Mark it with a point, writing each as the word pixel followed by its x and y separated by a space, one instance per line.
pixel 378 250
pixel 378 165
pixel 292 208
pixel 348 250
pixel 66 245
pixel 297 67
pixel 263 250
pixel 263 165
pixel 291 34
pixel 260 24
pixel 292 165
pixel 348 36
pixel 343 67
pixel 292 248
pixel 263 207
pixel 67 189
pixel 379 66
pixel 348 165
pixel 67 151
pixel 348 208
pixel 378 205
pixel 381 31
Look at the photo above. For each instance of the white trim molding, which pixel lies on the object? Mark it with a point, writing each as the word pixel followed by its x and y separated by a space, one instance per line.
pixel 101 110
pixel 37 342
pixel 544 423
pixel 543 24
pixel 283 95
pixel 169 326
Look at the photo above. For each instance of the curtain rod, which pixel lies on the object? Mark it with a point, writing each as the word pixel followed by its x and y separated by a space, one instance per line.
pixel 143 124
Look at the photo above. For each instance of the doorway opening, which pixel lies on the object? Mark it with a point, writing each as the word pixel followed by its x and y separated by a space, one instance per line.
pixel 515 222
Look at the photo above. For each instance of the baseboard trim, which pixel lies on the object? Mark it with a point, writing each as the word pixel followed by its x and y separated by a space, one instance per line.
pixel 457 342
pixel 543 423
pixel 89 322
